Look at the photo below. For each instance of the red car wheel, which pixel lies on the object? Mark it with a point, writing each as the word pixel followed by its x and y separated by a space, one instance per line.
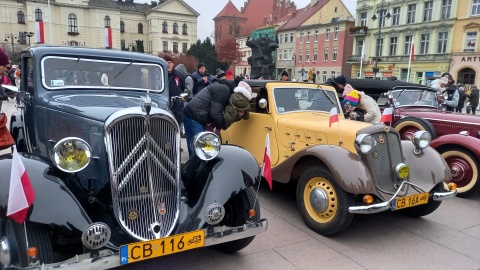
pixel 464 168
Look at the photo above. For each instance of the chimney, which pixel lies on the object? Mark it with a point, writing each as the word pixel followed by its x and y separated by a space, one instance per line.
pixel 154 4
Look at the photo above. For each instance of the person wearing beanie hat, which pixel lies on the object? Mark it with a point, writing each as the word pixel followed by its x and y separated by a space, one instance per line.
pixel 238 104
pixel 229 75
pixel 4 62
pixel 285 76
pixel 359 99
pixel 351 98
pixel 201 77
pixel 461 99
pixel 451 92
pixel 221 75
pixel 341 81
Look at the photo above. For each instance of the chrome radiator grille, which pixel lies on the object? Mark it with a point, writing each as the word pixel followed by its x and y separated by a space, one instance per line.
pixel 383 158
pixel 144 163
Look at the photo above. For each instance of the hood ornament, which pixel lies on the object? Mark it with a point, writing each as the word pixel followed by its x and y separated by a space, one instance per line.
pixel 147 104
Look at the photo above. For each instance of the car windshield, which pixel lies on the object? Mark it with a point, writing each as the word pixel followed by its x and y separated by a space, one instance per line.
pixel 416 97
pixel 305 99
pixel 84 72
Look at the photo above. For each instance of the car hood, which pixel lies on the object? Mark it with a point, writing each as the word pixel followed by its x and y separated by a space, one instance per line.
pixel 313 128
pixel 430 113
pixel 98 106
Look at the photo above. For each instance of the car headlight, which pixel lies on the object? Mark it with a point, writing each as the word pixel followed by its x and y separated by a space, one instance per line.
pixel 364 143
pixel 421 139
pixel 71 154
pixel 206 145
pixel 402 171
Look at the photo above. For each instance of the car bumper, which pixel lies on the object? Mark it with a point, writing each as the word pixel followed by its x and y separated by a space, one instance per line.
pixel 108 259
pixel 388 205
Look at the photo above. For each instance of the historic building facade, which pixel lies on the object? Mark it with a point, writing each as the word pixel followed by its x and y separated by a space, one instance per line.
pixel 121 24
pixel 426 24
pixel 465 65
pixel 243 68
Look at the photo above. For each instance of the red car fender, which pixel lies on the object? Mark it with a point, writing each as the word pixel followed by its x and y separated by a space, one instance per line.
pixel 469 142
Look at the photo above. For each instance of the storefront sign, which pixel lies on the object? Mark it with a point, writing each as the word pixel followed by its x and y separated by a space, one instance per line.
pixel 368 74
pixel 470 59
pixel 387 74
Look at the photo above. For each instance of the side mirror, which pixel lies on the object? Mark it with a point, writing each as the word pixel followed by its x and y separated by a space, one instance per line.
pixel 262 103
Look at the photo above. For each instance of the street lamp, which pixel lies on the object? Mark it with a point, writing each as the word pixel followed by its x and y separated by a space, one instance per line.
pixel 12 37
pixel 382 15
pixel 29 35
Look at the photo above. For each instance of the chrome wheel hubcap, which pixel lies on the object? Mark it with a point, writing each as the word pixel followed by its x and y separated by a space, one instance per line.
pixel 318 200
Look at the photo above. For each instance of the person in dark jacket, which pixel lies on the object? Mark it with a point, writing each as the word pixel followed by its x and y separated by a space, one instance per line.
pixel 452 94
pixel 473 98
pixel 201 78
pixel 461 99
pixel 176 86
pixel 219 105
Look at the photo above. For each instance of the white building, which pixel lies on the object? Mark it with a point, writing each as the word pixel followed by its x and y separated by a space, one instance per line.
pixel 243 68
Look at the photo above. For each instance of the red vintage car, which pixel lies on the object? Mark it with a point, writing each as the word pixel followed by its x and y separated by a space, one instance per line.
pixel 455 136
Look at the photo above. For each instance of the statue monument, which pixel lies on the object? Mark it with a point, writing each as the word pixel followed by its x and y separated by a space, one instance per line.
pixel 261 61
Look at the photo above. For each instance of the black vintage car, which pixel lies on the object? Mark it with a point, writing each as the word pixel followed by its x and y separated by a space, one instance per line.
pixel 102 151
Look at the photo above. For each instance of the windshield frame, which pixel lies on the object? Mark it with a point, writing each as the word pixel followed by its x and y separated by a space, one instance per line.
pixel 127 62
pixel 403 90
pixel 305 88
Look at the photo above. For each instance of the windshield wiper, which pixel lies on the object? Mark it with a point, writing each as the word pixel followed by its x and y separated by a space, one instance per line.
pixel 74 68
pixel 329 97
pixel 124 69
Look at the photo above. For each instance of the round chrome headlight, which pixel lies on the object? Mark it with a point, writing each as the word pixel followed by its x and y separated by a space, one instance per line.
pixel 421 139
pixel 71 154
pixel 206 145
pixel 364 143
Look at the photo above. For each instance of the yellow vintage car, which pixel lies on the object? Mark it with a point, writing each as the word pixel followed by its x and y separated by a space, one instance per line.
pixel 347 168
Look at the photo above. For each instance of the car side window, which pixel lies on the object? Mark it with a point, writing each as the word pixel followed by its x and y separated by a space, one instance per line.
pixel 26 75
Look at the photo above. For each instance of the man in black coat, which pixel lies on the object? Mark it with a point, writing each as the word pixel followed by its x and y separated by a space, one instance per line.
pixel 176 86
pixel 452 100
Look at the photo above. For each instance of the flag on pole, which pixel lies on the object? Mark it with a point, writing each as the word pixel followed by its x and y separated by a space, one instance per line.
pixel 267 165
pixel 39 32
pixel 412 51
pixel 387 115
pixel 108 37
pixel 333 116
pixel 20 195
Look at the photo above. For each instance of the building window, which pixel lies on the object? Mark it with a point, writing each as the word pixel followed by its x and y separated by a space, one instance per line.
pixel 396 16
pixel 285 38
pixel 290 54
pixel 383 13
pixel 285 55
pixel 335 32
pixel 332 74
pixel 280 55
pixel 307 56
pixel 165 27
pixel 324 76
pixel 408 45
pixel 360 48
pixel 442 42
pixel 22 38
pixel 291 37
pixel 122 27
pixel 20 17
pixel 427 14
pixel 411 13
pixel 363 19
pixel 393 46
pixel 379 46
pixel 165 46
pixel 308 37
pixel 301 37
pixel 175 28
pixel 175 47
pixel 184 47
pixel 315 55
pixel 122 44
pixel 38 15
pixel 470 41
pixel 185 29
pixel 446 9
pixel 300 56
pixel 475 7
pixel 325 55
pixel 327 34
pixel 140 28
pixel 72 23
pixel 424 42
pixel 107 21
pixel 280 39
pixel 334 54
pixel 316 35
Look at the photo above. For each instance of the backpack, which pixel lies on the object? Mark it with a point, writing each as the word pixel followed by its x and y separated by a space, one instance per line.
pixel 195 84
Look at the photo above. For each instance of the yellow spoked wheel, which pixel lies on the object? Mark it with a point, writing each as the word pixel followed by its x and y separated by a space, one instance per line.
pixel 322 203
pixel 320 199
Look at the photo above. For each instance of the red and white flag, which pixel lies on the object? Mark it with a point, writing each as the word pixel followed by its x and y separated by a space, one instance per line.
pixel 387 115
pixel 333 116
pixel 20 195
pixel 108 37
pixel 39 32
pixel 412 51
pixel 267 165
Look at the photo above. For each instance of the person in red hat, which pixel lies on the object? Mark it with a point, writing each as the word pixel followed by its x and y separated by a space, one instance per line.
pixel 229 75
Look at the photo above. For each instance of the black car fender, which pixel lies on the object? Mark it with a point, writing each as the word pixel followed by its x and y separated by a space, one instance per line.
pixel 17 131
pixel 54 204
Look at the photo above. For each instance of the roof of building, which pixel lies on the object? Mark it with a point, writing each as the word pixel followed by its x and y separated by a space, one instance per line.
pixel 123 6
pixel 302 15
pixel 230 10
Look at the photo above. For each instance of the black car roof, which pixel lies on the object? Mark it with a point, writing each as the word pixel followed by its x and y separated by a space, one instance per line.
pixel 371 86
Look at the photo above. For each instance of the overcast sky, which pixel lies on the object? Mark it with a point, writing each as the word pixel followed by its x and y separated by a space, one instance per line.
pixel 210 8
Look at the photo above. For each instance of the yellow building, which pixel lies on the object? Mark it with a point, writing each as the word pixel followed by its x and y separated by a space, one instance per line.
pixel 398 24
pixel 118 24
pixel 465 65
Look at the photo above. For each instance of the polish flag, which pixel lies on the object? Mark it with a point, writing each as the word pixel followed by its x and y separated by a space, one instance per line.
pixel 412 52
pixel 108 37
pixel 333 116
pixel 39 32
pixel 20 195
pixel 267 165
pixel 387 115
